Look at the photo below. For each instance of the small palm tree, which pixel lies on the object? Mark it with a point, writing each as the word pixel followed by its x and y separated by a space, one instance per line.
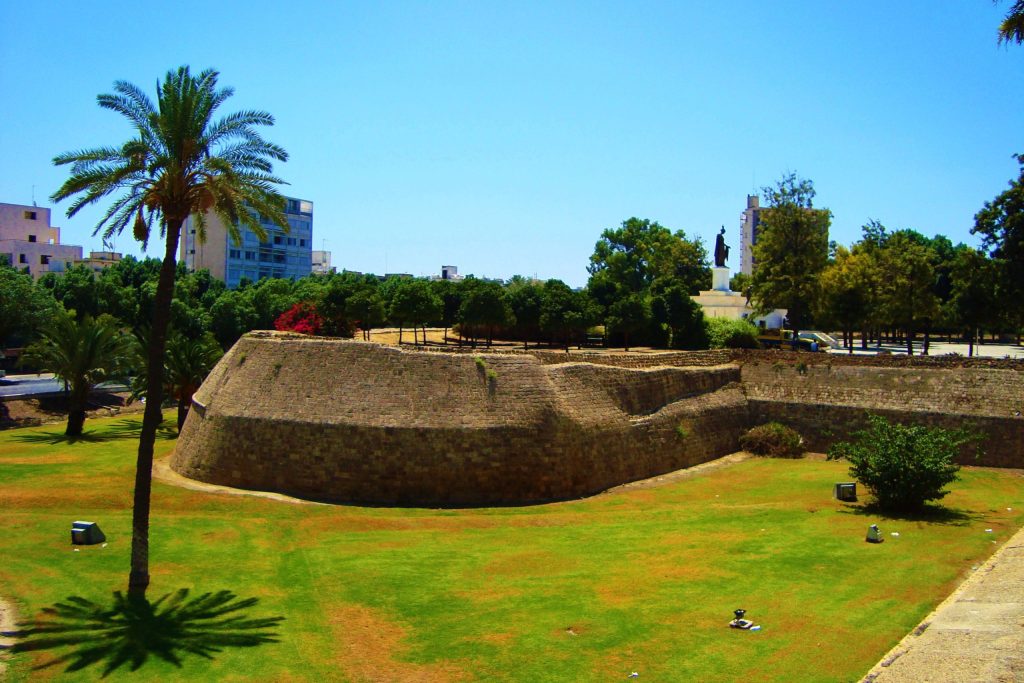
pixel 186 364
pixel 180 162
pixel 82 354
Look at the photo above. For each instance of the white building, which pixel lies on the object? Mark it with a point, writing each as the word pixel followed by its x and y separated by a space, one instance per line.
pixel 29 241
pixel 322 262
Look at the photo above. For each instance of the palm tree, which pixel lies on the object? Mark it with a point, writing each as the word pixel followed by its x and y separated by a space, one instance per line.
pixel 1012 28
pixel 186 364
pixel 82 354
pixel 180 162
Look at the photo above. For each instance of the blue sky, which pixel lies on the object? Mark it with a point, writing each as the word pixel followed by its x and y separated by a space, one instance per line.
pixel 504 137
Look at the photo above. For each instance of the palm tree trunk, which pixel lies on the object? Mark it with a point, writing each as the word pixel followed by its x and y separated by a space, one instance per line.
pixel 76 414
pixel 183 404
pixel 138 579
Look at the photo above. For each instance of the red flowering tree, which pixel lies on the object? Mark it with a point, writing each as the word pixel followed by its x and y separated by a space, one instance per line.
pixel 301 318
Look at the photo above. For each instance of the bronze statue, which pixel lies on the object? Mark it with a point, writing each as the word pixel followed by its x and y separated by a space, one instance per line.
pixel 721 250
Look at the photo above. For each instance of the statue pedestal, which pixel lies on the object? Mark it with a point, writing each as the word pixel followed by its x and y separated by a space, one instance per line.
pixel 721 302
pixel 720 279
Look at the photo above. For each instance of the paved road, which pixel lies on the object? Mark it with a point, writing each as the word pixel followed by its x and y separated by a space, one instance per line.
pixel 22 386
pixel 940 348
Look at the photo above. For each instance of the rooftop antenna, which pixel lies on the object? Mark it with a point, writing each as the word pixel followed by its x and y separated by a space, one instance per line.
pixel 33 195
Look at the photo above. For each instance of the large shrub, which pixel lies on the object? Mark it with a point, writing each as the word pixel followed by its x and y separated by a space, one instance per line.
pixel 731 334
pixel 903 466
pixel 774 440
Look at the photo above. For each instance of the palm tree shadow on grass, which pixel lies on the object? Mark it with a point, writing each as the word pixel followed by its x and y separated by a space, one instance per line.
pixel 931 513
pixel 130 631
pixel 119 431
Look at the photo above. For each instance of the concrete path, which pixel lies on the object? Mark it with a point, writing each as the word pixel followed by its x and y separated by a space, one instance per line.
pixel 976 634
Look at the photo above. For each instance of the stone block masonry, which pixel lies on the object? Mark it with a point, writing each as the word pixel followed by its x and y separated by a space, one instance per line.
pixel 358 422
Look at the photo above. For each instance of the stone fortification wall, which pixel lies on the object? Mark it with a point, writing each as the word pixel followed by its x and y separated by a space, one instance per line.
pixel 827 402
pixel 637 360
pixel 358 422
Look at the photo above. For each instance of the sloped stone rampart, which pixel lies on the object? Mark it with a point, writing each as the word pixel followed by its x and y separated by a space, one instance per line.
pixel 359 422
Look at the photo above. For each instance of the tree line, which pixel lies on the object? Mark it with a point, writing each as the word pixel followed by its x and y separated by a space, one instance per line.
pixel 894 284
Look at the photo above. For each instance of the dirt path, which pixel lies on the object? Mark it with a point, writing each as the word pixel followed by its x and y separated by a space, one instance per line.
pixel 162 472
pixel 7 626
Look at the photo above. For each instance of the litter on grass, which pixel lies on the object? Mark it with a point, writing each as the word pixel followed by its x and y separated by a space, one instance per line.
pixel 895 533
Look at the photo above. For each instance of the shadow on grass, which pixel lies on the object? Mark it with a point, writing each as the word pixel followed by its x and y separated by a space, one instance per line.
pixel 119 431
pixel 131 630
pixel 933 514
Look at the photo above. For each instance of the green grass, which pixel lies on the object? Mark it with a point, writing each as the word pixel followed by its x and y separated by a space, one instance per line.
pixel 647 579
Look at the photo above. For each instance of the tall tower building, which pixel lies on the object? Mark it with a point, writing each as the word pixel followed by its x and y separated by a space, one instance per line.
pixel 748 233
pixel 281 255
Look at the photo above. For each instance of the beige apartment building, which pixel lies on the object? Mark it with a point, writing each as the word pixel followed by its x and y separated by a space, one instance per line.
pixel 28 240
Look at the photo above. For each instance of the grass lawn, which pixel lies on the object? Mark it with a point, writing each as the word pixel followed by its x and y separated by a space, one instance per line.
pixel 642 580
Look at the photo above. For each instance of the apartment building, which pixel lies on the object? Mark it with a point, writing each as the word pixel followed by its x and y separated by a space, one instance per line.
pixel 281 255
pixel 28 240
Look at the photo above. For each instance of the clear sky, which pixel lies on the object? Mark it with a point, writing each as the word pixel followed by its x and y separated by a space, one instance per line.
pixel 504 137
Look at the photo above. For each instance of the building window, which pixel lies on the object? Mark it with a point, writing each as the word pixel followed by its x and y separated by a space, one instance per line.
pixel 22 259
pixel 44 260
pixel 30 215
pixel 234 253
pixel 278 258
pixel 291 241
pixel 277 239
pixel 250 256
pixel 31 238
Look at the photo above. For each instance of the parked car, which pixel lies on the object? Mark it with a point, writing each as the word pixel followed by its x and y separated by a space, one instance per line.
pixel 784 339
pixel 824 339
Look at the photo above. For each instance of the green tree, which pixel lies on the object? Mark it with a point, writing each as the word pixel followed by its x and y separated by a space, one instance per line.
pixel 791 250
pixel 25 307
pixel 75 289
pixel 485 306
pixel 565 314
pixel 450 293
pixel 526 297
pixel 180 162
pixel 635 261
pixel 186 365
pixel 81 353
pixel 673 307
pixel 231 316
pixel 848 285
pixel 367 309
pixel 414 304
pixel 1001 225
pixel 908 280
pixel 724 333
pixel 974 298
pixel 903 466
